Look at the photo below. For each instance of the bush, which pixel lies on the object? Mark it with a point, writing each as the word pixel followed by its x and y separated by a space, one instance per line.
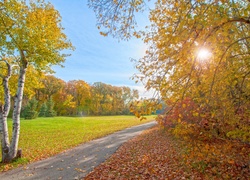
pixel 190 118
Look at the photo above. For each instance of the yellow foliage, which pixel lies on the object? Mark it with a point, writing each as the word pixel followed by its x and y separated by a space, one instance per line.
pixel 219 82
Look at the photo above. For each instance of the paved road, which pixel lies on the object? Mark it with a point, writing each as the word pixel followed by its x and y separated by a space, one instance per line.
pixel 77 162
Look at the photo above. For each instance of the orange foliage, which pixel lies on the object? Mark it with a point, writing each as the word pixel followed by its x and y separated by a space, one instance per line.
pixel 159 155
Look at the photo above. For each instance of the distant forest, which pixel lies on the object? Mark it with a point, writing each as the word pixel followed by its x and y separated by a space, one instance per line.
pixel 51 96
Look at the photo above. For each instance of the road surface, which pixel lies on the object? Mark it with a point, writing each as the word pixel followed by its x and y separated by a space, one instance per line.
pixel 77 162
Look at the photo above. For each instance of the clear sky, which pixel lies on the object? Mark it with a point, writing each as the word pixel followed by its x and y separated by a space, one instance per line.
pixel 96 58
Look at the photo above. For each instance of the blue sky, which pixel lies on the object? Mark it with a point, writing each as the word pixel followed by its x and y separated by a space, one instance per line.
pixel 96 58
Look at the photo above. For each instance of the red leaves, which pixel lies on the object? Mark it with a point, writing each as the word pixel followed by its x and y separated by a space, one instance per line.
pixel 186 110
pixel 190 118
pixel 158 155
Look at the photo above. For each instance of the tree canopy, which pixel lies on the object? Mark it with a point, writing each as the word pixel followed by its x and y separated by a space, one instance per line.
pixel 216 84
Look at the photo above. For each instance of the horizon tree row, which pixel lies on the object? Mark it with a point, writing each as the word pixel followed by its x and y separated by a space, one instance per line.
pixel 78 98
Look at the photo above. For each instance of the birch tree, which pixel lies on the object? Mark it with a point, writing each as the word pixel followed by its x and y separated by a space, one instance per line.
pixel 30 35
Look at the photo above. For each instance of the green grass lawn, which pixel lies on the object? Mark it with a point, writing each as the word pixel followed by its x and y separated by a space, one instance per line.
pixel 44 137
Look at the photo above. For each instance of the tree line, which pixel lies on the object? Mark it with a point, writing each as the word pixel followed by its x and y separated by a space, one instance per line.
pixel 75 98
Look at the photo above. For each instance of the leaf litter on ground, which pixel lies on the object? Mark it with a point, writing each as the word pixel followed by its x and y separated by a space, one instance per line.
pixel 157 154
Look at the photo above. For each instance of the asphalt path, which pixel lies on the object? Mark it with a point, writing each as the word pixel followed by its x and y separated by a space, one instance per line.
pixel 75 163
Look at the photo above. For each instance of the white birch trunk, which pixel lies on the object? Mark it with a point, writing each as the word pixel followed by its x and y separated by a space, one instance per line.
pixel 10 150
pixel 16 113
pixel 4 111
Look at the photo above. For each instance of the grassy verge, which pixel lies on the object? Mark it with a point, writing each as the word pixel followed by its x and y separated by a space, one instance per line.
pixel 44 137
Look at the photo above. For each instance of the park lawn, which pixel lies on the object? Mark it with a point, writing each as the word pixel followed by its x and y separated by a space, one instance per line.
pixel 43 137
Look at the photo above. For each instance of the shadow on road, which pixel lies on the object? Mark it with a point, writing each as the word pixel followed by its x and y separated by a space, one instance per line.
pixel 77 162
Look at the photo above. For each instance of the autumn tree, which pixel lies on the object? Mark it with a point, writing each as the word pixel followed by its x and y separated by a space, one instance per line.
pixel 31 35
pixel 198 53
pixel 111 100
pixel 65 104
pixel 51 85
pixel 100 99
pixel 80 91
pixel 129 96
pixel 217 83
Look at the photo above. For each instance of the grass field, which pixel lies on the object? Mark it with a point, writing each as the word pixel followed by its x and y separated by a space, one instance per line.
pixel 44 137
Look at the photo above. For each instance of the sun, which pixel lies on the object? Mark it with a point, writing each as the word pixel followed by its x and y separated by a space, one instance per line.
pixel 203 54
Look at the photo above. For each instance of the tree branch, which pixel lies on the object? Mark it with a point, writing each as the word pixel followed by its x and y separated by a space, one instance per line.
pixel 243 20
pixel 216 28
pixel 215 72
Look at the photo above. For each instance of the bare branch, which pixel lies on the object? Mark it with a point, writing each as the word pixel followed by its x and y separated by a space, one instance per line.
pixel 117 17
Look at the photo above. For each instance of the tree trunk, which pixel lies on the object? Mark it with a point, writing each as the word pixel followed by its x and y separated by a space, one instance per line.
pixel 4 111
pixel 4 135
pixel 8 154
pixel 16 112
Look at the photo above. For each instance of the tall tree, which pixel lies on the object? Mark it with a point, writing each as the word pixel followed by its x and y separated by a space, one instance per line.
pixel 176 67
pixel 80 90
pixel 51 86
pixel 31 34
pixel 65 104
pixel 99 98
pixel 181 32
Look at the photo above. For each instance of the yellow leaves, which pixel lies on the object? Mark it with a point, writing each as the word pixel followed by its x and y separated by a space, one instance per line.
pixel 80 170
pixel 69 102
pixel 178 28
pixel 103 34
pixel 195 114
pixel 137 35
pixel 213 114
pixel 242 134
pixel 37 31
